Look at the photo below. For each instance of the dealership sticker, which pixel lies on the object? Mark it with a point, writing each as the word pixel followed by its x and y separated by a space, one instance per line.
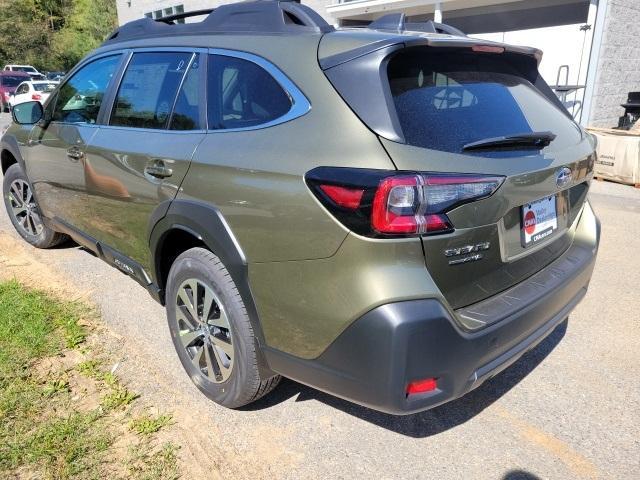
pixel 539 220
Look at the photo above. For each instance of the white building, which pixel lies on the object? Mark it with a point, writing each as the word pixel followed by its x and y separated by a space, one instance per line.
pixel 592 44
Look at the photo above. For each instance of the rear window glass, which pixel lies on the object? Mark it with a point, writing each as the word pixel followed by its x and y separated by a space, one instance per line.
pixel 45 87
pixel 242 94
pixel 445 101
pixel 6 81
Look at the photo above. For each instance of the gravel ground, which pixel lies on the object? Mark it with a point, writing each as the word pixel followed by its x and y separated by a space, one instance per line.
pixel 568 409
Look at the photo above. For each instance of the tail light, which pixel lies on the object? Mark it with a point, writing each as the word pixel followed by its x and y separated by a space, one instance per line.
pixel 381 203
pixel 36 96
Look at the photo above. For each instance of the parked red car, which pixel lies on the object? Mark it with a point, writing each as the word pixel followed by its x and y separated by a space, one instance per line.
pixel 8 83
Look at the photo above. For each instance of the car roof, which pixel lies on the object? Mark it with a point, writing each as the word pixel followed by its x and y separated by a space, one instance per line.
pixel 286 18
pixel 252 17
pixel 14 74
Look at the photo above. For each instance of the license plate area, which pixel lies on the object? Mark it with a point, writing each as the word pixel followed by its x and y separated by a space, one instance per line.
pixel 539 220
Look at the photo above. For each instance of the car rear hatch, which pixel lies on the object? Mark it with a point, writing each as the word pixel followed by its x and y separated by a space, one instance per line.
pixel 460 107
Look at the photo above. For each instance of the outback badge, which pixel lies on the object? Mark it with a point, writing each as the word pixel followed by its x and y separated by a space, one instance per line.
pixel 464 253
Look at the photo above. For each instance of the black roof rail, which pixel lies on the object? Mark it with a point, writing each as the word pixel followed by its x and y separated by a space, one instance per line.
pixel 170 19
pixel 397 23
pixel 253 16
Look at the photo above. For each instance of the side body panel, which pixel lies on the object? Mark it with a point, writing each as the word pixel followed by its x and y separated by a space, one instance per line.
pixel 58 179
pixel 256 177
pixel 121 196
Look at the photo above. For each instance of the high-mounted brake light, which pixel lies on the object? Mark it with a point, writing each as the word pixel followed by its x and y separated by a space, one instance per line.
pixel 381 203
pixel 487 49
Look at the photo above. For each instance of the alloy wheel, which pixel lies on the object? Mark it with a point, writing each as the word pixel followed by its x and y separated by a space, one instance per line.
pixel 204 330
pixel 24 208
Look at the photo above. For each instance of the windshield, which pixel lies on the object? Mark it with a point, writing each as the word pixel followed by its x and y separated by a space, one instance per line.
pixel 45 87
pixel 447 100
pixel 25 69
pixel 7 81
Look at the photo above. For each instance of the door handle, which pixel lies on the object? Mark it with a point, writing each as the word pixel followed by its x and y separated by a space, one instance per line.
pixel 75 154
pixel 158 169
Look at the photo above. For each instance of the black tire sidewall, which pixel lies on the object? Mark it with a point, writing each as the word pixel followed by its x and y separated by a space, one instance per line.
pixel 240 388
pixel 47 237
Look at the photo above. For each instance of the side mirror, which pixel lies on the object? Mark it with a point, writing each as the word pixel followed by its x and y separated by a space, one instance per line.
pixel 27 113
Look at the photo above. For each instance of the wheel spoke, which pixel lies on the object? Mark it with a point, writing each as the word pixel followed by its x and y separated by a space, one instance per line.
pixel 209 358
pixel 224 370
pixel 19 210
pixel 188 337
pixel 16 193
pixel 25 222
pixel 223 344
pixel 195 296
pixel 222 321
pixel 30 225
pixel 188 302
pixel 207 303
pixel 182 313
pixel 197 358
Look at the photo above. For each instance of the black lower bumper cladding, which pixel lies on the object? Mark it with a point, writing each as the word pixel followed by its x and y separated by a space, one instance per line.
pixel 372 361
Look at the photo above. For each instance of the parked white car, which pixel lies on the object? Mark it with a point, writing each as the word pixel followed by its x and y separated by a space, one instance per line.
pixel 30 91
pixel 28 69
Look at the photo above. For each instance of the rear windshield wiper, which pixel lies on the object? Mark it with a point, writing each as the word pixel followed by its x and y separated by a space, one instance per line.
pixel 526 140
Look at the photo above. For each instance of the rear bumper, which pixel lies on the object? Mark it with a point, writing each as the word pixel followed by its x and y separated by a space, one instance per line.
pixel 375 358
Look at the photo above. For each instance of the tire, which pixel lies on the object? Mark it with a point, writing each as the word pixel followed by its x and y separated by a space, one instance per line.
pixel 229 380
pixel 24 211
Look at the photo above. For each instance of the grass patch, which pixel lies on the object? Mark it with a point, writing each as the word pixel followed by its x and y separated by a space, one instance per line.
pixel 42 435
pixel 148 463
pixel 28 320
pixel 147 424
pixel 119 397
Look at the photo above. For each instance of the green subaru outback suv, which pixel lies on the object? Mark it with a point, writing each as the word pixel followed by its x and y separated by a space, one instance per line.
pixel 392 214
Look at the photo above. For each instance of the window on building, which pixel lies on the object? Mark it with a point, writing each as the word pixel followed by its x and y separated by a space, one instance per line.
pixel 166 13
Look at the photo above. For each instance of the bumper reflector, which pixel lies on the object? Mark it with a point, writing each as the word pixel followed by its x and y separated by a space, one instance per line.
pixel 422 386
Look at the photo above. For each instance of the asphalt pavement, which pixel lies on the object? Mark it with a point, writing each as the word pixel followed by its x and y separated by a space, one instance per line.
pixel 568 409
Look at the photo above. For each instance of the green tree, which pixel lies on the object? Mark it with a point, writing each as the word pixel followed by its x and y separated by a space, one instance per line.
pixel 53 34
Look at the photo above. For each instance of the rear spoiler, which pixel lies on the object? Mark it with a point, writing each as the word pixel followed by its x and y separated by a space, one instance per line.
pixel 417 39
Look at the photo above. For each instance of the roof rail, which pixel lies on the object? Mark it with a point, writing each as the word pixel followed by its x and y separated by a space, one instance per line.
pixel 180 16
pixel 397 23
pixel 254 16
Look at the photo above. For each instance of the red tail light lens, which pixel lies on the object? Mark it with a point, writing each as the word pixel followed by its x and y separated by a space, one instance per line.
pixel 382 203
pixel 35 96
pixel 422 386
pixel 345 197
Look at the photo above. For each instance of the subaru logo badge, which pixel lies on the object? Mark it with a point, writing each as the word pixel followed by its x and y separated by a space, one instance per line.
pixel 563 177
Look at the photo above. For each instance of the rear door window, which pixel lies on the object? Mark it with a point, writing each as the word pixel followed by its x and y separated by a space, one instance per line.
pixel 186 114
pixel 242 94
pixel 148 89
pixel 447 100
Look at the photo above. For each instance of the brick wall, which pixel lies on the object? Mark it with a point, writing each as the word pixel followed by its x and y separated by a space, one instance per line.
pixel 619 65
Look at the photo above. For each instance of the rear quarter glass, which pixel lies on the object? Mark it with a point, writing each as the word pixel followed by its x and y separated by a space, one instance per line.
pixel 446 100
